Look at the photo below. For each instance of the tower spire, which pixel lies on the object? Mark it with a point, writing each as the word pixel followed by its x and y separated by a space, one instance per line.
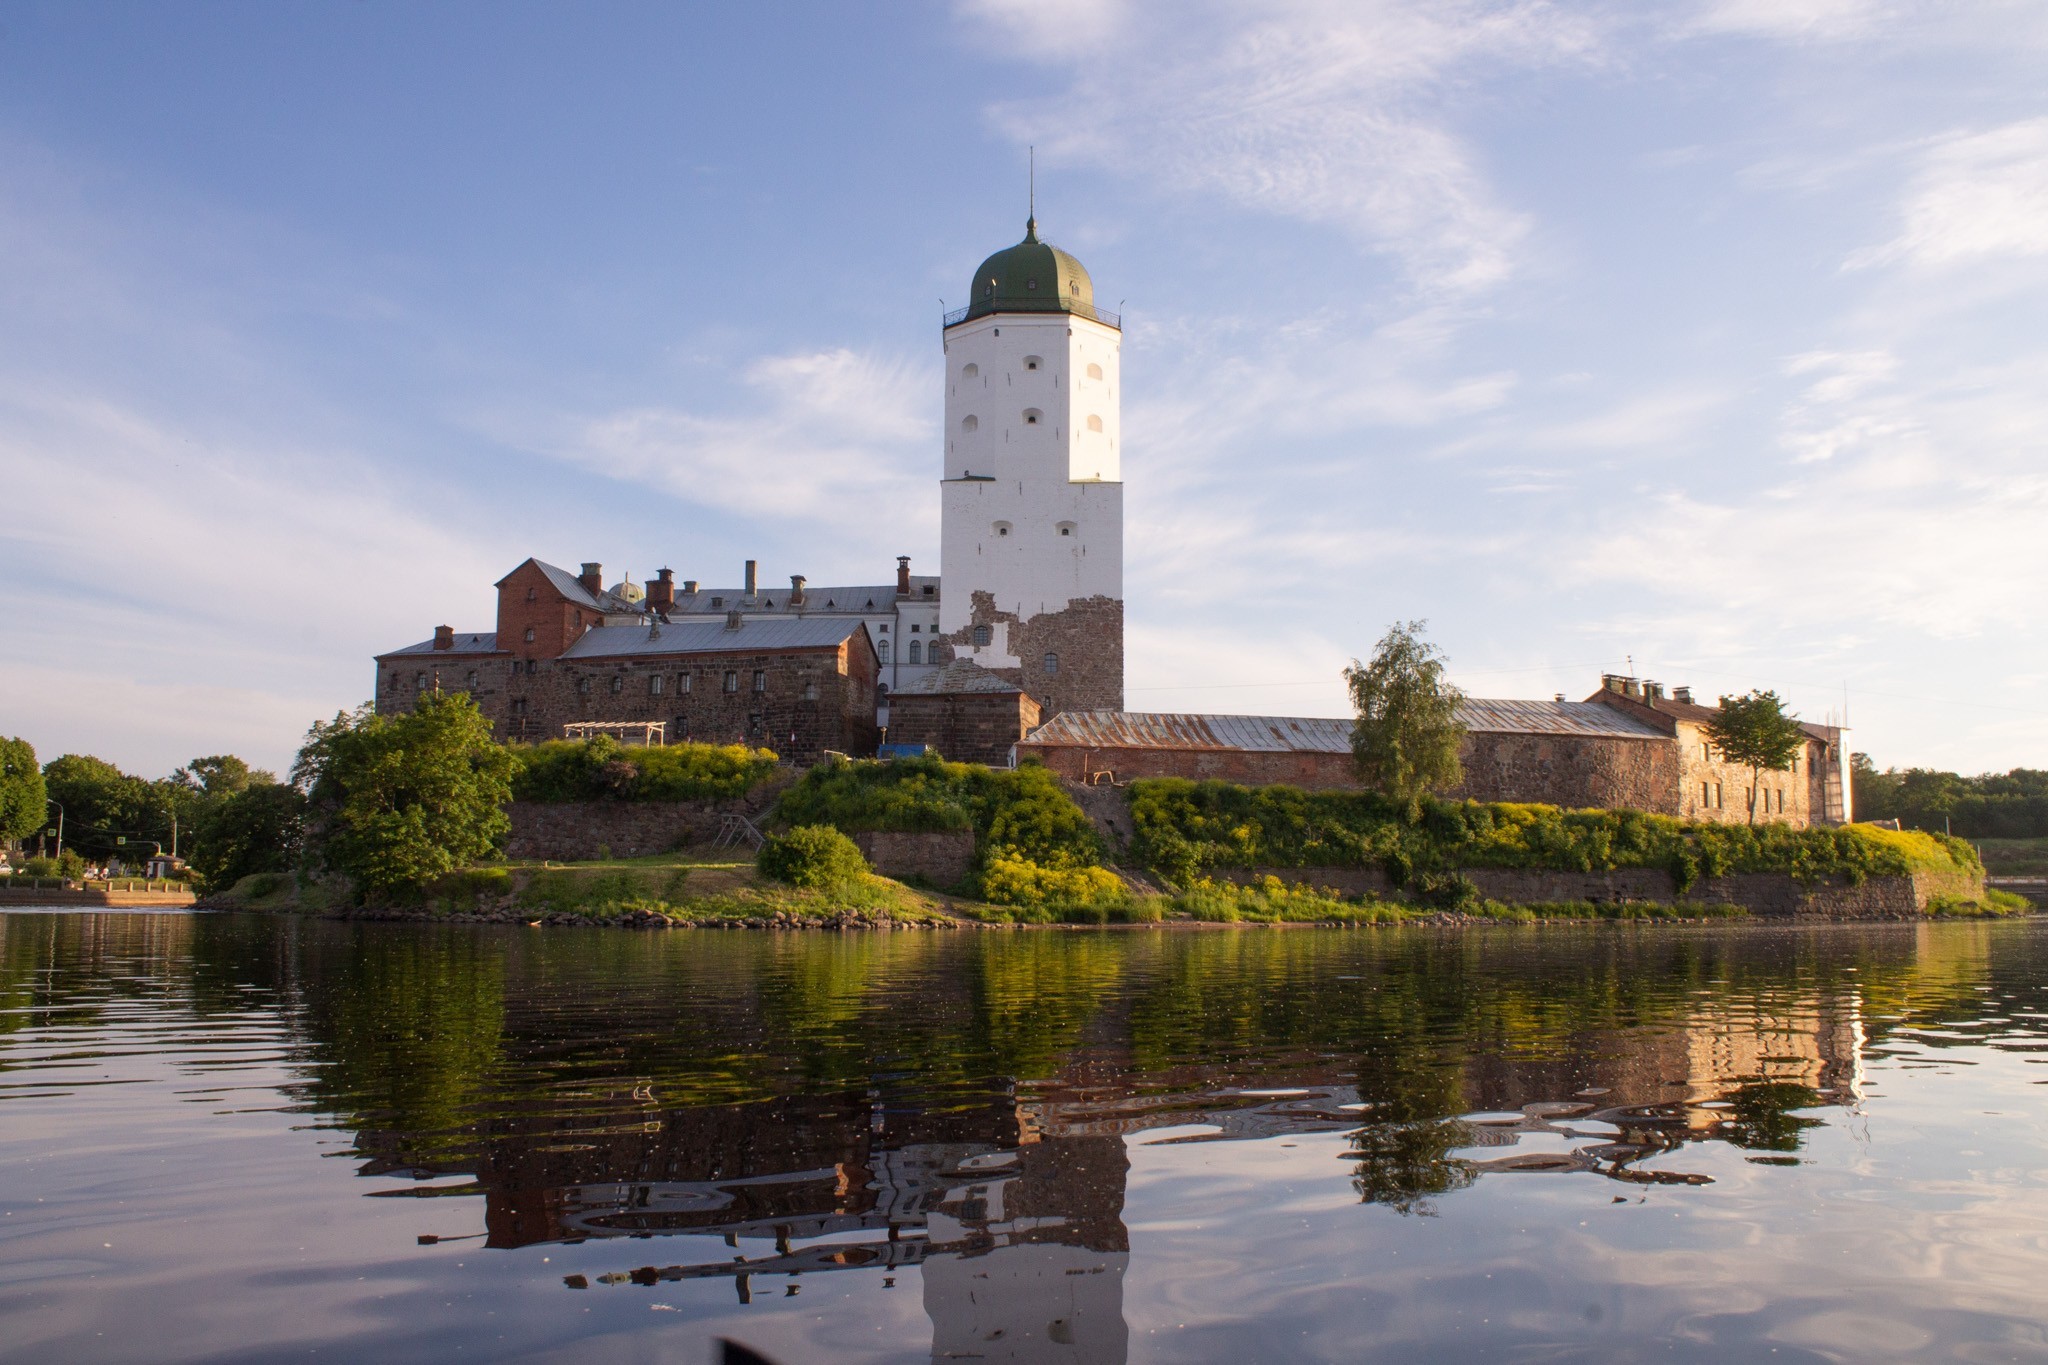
pixel 1031 191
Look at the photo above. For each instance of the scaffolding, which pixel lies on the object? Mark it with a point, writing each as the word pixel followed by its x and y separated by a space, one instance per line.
pixel 649 734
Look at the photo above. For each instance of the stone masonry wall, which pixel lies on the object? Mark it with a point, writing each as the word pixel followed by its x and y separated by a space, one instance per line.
pixel 942 859
pixel 967 727
pixel 1766 894
pixel 1085 638
pixel 576 831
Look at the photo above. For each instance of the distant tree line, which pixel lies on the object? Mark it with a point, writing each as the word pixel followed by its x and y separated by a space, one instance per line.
pixel 2011 805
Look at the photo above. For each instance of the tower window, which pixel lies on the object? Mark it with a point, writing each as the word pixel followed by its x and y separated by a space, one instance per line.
pixel 1094 371
pixel 1052 664
pixel 1066 528
pixel 1031 416
pixel 1001 528
pixel 969 370
pixel 1094 423
pixel 1031 284
pixel 969 422
pixel 983 636
pixel 1032 362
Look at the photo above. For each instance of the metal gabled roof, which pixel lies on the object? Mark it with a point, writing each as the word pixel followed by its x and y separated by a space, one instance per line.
pixel 466 642
pixel 959 676
pixel 714 637
pixel 847 600
pixel 1320 734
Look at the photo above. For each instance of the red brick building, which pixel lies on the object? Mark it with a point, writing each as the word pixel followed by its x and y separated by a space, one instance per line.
pixel 965 712
pixel 568 650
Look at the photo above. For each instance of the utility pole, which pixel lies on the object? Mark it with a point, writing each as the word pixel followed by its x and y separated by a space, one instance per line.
pixel 60 823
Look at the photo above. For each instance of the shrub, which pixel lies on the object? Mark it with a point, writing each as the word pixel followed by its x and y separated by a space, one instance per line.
pixel 602 768
pixel 1183 828
pixel 1013 880
pixel 1445 891
pixel 814 856
pixel 1273 901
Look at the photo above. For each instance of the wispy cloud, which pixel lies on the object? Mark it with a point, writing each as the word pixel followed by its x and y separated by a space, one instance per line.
pixel 1972 197
pixel 1332 113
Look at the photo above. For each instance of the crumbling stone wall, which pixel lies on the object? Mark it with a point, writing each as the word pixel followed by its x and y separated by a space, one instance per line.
pixel 967 727
pixel 1575 771
pixel 1086 637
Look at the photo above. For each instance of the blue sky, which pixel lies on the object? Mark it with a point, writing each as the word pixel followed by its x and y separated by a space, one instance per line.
pixel 1707 335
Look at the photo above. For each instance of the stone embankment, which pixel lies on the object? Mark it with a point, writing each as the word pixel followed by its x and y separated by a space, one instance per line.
pixel 840 920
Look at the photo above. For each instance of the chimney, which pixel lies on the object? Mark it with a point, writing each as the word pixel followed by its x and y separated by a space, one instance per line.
pixel 1682 695
pixel 903 575
pixel 732 620
pixel 661 593
pixel 592 578
pixel 750 578
pixel 1614 682
pixel 1631 688
pixel 690 586
pixel 796 590
pixel 1652 691
pixel 444 637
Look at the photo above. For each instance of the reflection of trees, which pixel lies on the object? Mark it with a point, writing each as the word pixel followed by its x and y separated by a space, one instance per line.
pixel 1762 1117
pixel 1402 1164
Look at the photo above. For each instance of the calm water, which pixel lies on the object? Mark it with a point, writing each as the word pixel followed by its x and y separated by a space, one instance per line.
pixel 228 1138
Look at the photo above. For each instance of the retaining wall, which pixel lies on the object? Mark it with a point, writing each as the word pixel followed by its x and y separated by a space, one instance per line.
pixel 941 859
pixel 575 831
pixel 1769 894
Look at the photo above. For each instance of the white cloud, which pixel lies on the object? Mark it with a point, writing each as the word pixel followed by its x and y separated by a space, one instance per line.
pixel 1973 197
pixel 1329 113
pixel 815 433
pixel 1793 18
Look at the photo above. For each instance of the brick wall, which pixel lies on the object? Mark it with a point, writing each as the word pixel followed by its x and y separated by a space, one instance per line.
pixel 1565 770
pixel 808 700
pixel 528 601
pixel 968 727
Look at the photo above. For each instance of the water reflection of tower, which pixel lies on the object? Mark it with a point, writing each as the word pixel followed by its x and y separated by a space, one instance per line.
pixel 1037 1258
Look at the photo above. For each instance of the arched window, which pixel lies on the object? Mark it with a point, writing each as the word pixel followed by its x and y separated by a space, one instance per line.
pixel 1094 371
pixel 882 650
pixel 983 636
pixel 1052 664
pixel 1066 528
pixel 533 594
pixel 969 370
pixel 1031 416
pixel 470 681
pixel 529 635
pixel 1094 422
pixel 1032 362
pixel 969 422
pixel 916 652
pixel 583 687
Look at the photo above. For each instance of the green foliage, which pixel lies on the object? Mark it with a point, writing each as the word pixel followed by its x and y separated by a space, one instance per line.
pixel 602 768
pixel 1405 740
pixel 22 791
pixel 1017 881
pixel 1754 732
pixel 818 857
pixel 66 864
pixel 254 829
pixel 396 801
pixel 2009 805
pixel 1273 901
pixel 101 804
pixel 1019 815
pixel 1993 904
pixel 1181 829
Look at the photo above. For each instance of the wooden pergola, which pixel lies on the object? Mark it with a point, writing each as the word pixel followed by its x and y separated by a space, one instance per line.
pixel 650 734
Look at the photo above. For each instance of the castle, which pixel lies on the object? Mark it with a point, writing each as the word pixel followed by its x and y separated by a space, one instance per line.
pixel 1030 552
pixel 1017 647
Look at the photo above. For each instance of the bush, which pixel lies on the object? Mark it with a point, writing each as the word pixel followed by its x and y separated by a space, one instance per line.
pixel 1273 901
pixel 602 768
pixel 1020 816
pixel 814 856
pixel 66 864
pixel 1013 880
pixel 1184 828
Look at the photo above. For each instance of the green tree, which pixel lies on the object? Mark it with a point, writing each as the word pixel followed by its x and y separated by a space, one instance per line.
pixel 101 803
pixel 395 801
pixel 23 797
pixel 1756 733
pixel 257 829
pixel 1406 737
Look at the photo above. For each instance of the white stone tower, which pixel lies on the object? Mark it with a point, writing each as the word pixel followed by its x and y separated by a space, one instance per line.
pixel 1031 539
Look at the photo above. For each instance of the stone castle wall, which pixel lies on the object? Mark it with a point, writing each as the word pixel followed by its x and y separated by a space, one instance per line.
pixel 1085 638
pixel 967 727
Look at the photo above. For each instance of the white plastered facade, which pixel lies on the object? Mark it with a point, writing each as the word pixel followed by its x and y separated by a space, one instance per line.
pixel 1032 505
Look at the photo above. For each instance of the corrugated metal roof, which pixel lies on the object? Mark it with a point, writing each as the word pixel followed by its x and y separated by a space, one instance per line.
pixel 713 637
pixel 567 584
pixel 469 642
pixel 961 675
pixel 1318 734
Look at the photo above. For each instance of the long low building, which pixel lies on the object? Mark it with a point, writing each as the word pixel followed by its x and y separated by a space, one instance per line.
pixel 1628 747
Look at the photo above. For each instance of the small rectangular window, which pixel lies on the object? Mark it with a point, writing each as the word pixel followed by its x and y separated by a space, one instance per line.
pixel 760 680
pixel 810 689
pixel 654 685
pixel 683 683
pixel 1717 793
pixel 732 680
pixel 1706 794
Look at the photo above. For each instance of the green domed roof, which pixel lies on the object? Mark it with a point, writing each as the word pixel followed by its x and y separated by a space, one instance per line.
pixel 1031 277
